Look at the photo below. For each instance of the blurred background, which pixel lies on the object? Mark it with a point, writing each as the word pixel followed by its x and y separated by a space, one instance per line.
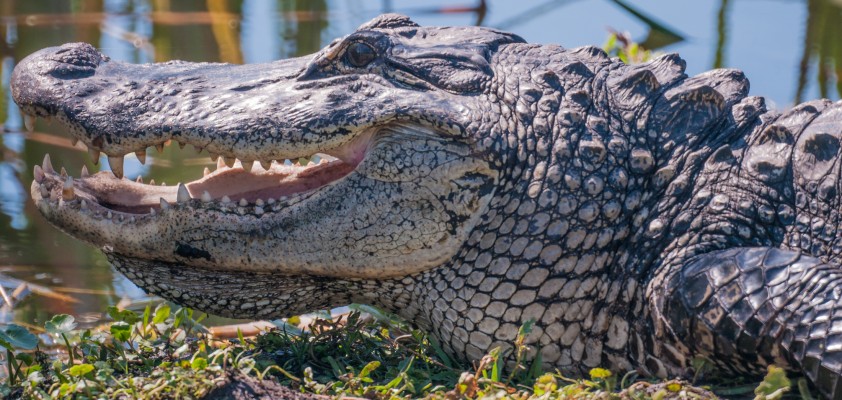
pixel 790 49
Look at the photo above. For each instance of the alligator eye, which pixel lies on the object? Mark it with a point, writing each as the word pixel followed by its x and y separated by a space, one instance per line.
pixel 360 54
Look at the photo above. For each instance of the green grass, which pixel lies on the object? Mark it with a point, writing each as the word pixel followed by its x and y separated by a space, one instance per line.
pixel 165 353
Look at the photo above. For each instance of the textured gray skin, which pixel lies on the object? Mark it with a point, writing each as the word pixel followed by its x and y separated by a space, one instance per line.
pixel 642 218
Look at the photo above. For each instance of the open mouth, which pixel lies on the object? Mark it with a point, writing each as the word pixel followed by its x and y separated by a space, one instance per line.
pixel 255 187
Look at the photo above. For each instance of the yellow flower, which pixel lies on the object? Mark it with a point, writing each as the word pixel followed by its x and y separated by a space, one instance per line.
pixel 600 373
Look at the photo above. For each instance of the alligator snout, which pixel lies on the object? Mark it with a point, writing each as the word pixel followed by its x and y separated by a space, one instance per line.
pixel 34 80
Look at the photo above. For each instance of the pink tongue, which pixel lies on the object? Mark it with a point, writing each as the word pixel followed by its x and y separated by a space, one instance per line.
pixel 281 181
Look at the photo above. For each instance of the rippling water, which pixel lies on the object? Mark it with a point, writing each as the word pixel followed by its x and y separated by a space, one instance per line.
pixel 791 50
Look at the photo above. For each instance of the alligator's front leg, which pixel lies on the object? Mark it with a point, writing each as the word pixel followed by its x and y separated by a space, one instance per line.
pixel 745 308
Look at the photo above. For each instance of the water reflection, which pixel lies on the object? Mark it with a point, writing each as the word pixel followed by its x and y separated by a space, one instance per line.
pixel 65 276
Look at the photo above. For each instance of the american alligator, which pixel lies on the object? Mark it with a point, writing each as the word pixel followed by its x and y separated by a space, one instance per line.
pixel 472 182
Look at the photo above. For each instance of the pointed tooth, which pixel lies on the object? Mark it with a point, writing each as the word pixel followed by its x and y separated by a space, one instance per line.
pixel 139 179
pixel 29 122
pixel 214 157
pixel 116 164
pixel 243 203
pixel 84 173
pixel 287 162
pixel 258 210
pixel 141 156
pixel 152 211
pixel 206 172
pixel 229 161
pixel 206 197
pixel 151 181
pixel 181 145
pixel 303 161
pixel 220 163
pixel 164 204
pixel 248 165
pixel 38 173
pixel 159 147
pixel 67 192
pixel 238 163
pixel 270 201
pixel 47 165
pixel 168 142
pixel 45 193
pixel 258 202
pixel 266 164
pixel 94 154
pixel 63 172
pixel 73 141
pixel 163 184
pixel 109 215
pixel 83 204
pixel 226 199
pixel 183 194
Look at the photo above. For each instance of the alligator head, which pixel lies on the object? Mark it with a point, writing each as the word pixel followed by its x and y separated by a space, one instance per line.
pixel 390 107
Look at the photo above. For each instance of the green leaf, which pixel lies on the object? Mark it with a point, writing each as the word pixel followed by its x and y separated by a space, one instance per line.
pixel 121 331
pixel 369 368
pixel 126 316
pixel 162 312
pixel 199 363
pixel 61 323
pixel 80 370
pixel 18 337
pixel 774 385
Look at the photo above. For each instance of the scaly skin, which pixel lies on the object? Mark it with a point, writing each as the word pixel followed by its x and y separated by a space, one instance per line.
pixel 641 218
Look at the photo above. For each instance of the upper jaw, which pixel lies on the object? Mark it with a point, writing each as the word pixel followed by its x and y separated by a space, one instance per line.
pixel 249 112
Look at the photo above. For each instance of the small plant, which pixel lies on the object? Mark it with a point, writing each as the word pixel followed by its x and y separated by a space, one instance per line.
pixel 620 45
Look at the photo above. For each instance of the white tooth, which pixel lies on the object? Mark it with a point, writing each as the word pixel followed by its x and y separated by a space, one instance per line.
pixel 94 154
pixel 270 201
pixel 238 163
pixel 139 179
pixel 183 194
pixel 226 199
pixel 29 122
pixel 206 172
pixel 116 164
pixel 84 173
pixel 109 215
pixel 151 181
pixel 83 204
pixel 164 204
pixel 63 172
pixel 159 147
pixel 67 189
pixel 73 141
pixel 132 219
pixel 47 165
pixel 287 162
pixel 163 184
pixel 220 163
pixel 258 210
pixel 151 211
pixel 206 197
pixel 243 203
pixel 38 173
pixel 248 165
pixel 229 161
pixel 258 202
pixel 141 156
pixel 44 192
pixel 266 164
